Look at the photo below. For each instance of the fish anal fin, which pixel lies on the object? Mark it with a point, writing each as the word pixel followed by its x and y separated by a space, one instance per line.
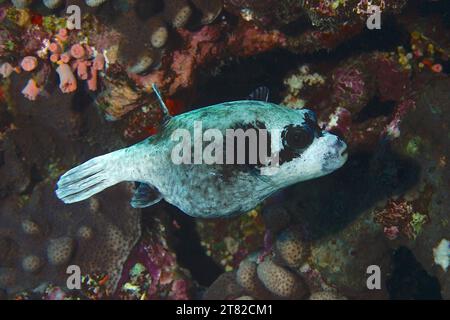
pixel 145 196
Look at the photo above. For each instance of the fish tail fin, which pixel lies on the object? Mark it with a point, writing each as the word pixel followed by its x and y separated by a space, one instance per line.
pixel 90 177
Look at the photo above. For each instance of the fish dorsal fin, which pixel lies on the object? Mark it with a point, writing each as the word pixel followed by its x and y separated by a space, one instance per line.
pixel 145 196
pixel 259 94
pixel 165 110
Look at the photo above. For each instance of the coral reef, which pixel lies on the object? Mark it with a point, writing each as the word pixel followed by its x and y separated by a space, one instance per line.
pixel 388 98
pixel 267 13
pixel 152 271
pixel 44 241
pixel 394 171
pixel 227 243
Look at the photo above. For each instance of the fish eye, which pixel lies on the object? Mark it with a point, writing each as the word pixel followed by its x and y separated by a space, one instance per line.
pixel 297 137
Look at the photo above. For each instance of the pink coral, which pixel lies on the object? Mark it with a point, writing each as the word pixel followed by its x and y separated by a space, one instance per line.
pixel 99 62
pixel 63 34
pixel 437 68
pixel 77 51
pixel 68 83
pixel 54 57
pixel 349 84
pixel 251 40
pixel 391 232
pixel 29 63
pixel 205 45
pixel 65 57
pixel 82 69
pixel 55 47
pixel 92 81
pixel 31 90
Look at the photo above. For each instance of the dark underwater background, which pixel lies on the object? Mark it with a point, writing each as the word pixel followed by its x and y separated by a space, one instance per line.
pixel 385 91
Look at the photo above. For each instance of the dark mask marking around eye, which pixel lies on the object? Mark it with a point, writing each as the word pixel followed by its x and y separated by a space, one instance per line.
pixel 295 139
pixel 312 124
pixel 228 171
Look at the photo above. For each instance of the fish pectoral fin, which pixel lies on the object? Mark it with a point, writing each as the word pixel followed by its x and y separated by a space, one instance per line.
pixel 259 94
pixel 145 196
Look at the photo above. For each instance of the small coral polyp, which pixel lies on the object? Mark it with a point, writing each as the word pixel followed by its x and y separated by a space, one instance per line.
pixel 177 12
pixel 67 81
pixel 71 58
pixel 31 91
pixel 74 52
pixel 159 33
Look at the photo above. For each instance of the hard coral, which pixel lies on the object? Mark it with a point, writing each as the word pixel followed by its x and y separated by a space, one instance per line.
pixel 276 273
pixel 225 287
pixel 177 12
pixel 152 271
pixel 31 91
pixel 204 46
pixel 29 63
pixel 228 244
pixel 326 295
pixel 280 281
pixel 102 246
pixel 60 250
pixel 120 96
pixel 67 80
pixel 291 249
pixel 161 20
pixel 247 278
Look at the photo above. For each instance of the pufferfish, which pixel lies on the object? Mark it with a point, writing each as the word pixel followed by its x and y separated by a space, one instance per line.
pixel 218 189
